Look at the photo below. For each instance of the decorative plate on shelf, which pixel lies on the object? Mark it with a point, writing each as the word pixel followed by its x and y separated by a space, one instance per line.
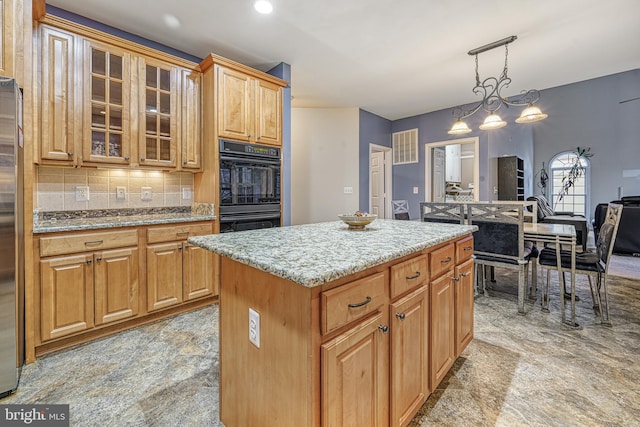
pixel 357 222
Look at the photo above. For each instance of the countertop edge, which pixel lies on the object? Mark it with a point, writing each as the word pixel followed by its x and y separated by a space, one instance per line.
pixel 120 222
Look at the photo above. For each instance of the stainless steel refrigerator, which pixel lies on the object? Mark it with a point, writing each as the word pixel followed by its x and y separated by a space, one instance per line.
pixel 11 237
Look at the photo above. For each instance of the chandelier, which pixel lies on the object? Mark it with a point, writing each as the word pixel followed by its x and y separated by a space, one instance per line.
pixel 492 99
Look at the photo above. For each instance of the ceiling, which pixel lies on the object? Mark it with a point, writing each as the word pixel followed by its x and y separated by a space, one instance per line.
pixel 393 58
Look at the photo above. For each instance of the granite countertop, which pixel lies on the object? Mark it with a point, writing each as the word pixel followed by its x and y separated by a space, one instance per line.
pixel 49 222
pixel 314 254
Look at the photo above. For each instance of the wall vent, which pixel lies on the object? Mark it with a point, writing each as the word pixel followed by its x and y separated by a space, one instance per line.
pixel 405 147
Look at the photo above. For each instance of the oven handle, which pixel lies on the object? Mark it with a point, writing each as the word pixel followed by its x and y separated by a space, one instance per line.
pixel 250 160
pixel 244 217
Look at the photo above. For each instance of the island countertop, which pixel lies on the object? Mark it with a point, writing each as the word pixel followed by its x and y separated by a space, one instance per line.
pixel 314 254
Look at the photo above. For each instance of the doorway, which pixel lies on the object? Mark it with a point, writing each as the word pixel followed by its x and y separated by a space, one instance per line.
pixel 380 181
pixel 452 170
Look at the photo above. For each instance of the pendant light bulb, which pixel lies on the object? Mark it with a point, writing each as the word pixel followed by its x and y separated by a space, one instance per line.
pixel 459 128
pixel 493 121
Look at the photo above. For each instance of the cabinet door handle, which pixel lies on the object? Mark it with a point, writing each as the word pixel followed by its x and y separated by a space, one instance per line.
pixel 184 163
pixel 70 154
pixel 455 279
pixel 446 260
pixel 179 248
pixel 400 316
pixel 360 304
pixel 89 262
pixel 187 246
pixel 126 158
pixel 464 274
pixel 384 329
pixel 468 248
pixel 99 259
pixel 415 276
pixel 93 243
pixel 142 159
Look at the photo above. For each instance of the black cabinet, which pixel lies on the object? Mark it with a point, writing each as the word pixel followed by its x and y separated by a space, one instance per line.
pixel 510 178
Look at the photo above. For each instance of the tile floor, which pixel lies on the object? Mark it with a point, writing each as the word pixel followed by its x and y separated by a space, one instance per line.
pixel 518 371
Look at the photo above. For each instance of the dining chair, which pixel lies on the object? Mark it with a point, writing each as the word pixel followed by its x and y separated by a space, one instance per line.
pixel 592 264
pixel 499 242
pixel 400 209
pixel 447 212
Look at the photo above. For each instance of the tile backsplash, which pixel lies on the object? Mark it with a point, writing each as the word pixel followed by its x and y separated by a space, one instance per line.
pixel 56 188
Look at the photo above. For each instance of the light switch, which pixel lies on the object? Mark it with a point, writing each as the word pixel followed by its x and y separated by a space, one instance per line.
pixel 415 190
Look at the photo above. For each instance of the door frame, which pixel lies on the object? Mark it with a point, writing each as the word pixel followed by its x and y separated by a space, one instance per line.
pixel 388 177
pixel 428 146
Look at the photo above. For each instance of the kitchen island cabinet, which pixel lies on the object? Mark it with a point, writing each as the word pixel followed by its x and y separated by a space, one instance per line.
pixel 325 326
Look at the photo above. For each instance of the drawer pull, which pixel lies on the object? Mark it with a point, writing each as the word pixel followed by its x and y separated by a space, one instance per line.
pixel 182 233
pixel 446 260
pixel 384 329
pixel 464 274
pixel 400 316
pixel 468 248
pixel 94 242
pixel 360 304
pixel 415 276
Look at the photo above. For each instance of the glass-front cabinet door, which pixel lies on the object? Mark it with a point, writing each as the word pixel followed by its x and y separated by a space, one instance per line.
pixel 107 88
pixel 158 124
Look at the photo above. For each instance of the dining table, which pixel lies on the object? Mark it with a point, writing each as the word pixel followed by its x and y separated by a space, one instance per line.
pixel 560 235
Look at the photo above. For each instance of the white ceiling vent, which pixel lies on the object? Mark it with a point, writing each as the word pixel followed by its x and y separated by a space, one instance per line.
pixel 405 147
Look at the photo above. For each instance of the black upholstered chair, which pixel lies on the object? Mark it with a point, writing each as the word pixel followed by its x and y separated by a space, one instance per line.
pixel 400 209
pixel 593 264
pixel 499 242
pixel 548 215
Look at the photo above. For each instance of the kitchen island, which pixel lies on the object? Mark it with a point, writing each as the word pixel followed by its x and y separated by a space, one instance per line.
pixel 322 325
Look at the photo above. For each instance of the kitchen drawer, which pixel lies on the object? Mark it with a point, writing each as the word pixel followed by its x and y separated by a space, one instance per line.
pixel 177 232
pixel 72 243
pixel 408 275
pixel 349 302
pixel 441 260
pixel 464 249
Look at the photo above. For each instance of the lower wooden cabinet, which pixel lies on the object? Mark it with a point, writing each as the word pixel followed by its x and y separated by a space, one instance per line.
pixel 355 375
pixel 464 305
pixel 66 296
pixel 409 383
pixel 93 280
pixel 442 336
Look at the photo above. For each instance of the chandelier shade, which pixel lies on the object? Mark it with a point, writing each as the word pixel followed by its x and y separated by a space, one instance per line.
pixel 492 99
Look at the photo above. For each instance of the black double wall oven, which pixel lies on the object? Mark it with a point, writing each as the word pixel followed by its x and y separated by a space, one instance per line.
pixel 249 186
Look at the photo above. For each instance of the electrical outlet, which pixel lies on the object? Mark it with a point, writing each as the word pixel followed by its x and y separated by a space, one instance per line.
pixel 254 327
pixel 82 193
pixel 121 193
pixel 145 193
pixel 186 193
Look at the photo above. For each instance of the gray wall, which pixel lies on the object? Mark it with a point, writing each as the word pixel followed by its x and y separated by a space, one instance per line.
pixel 586 114
pixel 372 130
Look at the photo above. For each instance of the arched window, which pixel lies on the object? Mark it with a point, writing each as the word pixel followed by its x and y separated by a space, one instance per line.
pixel 576 199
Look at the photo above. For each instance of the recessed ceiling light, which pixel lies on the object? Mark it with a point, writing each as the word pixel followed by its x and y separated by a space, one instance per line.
pixel 171 21
pixel 263 6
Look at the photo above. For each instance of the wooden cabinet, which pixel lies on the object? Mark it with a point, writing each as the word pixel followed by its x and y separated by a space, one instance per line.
pixel 96 282
pixel 107 101
pixel 191 128
pixel 249 109
pixel 8 36
pixel 355 375
pixel 409 384
pixel 92 288
pixel 510 178
pixel 464 285
pixel 177 271
pixel 66 296
pixel 59 117
pixel 106 104
pixel 158 96
pixel 442 335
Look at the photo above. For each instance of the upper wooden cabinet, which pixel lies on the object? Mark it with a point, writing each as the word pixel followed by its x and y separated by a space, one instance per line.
pixel 248 102
pixel 159 88
pixel 107 101
pixel 106 104
pixel 58 90
pixel 6 38
pixel 249 109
